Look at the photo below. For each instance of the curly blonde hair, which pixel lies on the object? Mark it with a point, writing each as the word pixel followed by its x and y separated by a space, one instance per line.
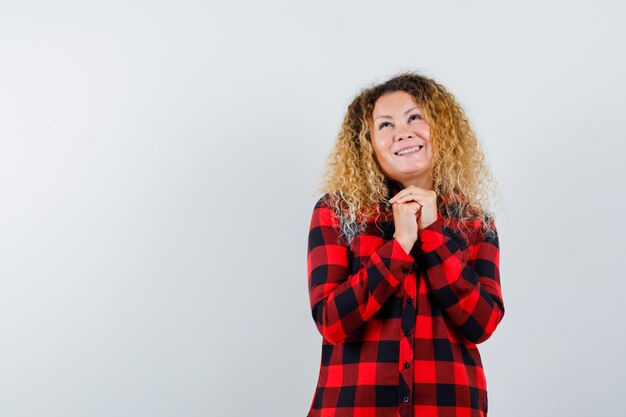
pixel 354 185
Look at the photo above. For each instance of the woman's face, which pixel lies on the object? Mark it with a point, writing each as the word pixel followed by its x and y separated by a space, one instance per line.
pixel 399 126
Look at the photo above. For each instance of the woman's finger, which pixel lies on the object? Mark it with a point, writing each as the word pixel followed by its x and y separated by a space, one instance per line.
pixel 407 192
pixel 411 196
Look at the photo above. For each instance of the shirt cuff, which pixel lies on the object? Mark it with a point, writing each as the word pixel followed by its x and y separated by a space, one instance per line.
pixel 401 263
pixel 432 236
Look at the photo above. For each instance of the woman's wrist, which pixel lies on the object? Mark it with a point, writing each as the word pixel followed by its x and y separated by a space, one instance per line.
pixel 407 244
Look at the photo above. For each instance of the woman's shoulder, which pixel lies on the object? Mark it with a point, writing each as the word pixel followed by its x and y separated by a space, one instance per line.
pixel 328 206
pixel 328 200
pixel 461 215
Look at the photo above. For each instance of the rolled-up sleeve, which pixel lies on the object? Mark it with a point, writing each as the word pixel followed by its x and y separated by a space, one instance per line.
pixel 465 283
pixel 342 302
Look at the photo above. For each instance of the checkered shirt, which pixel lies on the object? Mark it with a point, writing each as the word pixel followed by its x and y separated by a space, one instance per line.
pixel 400 330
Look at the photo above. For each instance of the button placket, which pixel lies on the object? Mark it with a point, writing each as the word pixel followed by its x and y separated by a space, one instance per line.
pixel 408 327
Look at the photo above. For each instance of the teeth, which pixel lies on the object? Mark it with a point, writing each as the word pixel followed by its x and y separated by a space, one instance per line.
pixel 404 152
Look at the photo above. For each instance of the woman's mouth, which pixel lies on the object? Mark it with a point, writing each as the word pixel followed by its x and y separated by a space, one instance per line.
pixel 409 151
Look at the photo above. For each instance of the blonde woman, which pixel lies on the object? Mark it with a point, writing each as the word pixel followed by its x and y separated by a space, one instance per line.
pixel 403 258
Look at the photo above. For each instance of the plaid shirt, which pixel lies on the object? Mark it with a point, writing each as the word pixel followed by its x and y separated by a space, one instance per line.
pixel 400 330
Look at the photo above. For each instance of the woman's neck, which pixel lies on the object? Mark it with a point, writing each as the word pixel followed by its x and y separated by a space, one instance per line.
pixel 424 182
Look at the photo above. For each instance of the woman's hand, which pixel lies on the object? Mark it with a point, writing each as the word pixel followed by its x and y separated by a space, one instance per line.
pixel 426 200
pixel 405 222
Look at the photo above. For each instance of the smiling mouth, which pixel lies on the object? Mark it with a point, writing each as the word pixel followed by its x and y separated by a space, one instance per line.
pixel 409 150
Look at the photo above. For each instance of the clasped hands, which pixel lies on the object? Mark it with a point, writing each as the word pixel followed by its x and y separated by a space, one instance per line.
pixel 414 209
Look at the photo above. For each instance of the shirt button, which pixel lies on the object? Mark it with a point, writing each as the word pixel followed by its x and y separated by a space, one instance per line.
pixel 405 399
pixel 406 365
pixel 409 300
pixel 405 269
pixel 407 333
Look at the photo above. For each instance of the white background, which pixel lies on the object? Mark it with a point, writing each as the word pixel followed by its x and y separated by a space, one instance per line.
pixel 158 161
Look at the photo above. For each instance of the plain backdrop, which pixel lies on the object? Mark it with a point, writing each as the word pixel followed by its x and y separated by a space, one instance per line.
pixel 158 165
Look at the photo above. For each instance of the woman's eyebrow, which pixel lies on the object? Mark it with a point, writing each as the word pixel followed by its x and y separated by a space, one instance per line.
pixel 389 117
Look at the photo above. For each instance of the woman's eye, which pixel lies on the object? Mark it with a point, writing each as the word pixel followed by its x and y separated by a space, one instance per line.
pixel 383 124
pixel 415 116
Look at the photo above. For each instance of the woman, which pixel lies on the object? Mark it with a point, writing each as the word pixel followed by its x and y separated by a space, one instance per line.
pixel 403 259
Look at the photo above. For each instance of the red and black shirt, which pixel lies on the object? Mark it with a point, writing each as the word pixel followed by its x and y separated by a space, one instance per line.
pixel 400 329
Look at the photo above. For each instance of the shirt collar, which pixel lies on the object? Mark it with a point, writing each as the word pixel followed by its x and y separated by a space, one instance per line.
pixel 393 186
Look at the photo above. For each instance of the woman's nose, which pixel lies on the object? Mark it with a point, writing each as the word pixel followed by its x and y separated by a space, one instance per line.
pixel 404 133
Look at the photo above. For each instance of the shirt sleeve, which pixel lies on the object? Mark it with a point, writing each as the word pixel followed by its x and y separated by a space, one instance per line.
pixel 342 302
pixel 465 283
